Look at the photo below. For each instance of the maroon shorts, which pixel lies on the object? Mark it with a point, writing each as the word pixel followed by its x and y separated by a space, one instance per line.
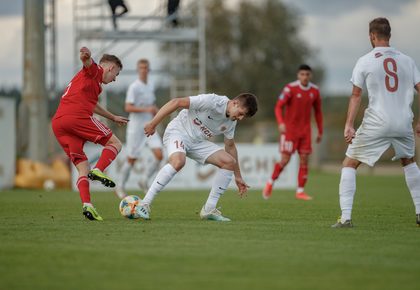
pixel 289 143
pixel 72 132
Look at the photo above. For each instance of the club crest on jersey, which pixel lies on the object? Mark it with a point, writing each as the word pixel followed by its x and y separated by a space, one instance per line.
pixel 378 54
pixel 203 128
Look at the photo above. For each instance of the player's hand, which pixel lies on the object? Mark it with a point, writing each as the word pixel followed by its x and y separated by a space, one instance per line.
pixel 418 129
pixel 282 128
pixel 84 54
pixel 120 120
pixel 349 134
pixel 319 138
pixel 149 129
pixel 242 186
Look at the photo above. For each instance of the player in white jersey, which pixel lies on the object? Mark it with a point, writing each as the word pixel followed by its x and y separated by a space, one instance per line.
pixel 390 78
pixel 202 117
pixel 140 103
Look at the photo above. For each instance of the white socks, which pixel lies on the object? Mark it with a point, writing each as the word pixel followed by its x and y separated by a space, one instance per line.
pixel 124 174
pixel 412 177
pixel 347 191
pixel 152 168
pixel 161 180
pixel 220 183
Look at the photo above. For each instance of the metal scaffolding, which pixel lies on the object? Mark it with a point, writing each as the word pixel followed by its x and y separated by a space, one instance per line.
pixel 184 45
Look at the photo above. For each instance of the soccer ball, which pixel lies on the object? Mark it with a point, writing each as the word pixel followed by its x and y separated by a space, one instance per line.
pixel 129 207
pixel 49 184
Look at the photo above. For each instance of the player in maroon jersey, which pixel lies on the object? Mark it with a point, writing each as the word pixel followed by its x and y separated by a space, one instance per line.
pixel 297 100
pixel 74 124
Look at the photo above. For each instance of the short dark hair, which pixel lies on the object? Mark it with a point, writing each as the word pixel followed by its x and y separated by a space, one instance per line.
pixel 143 61
pixel 380 27
pixel 304 67
pixel 248 101
pixel 111 58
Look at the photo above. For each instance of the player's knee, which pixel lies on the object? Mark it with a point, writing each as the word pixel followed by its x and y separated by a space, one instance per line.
pixel 158 155
pixel 285 160
pixel 177 163
pixel 115 142
pixel 131 161
pixel 228 163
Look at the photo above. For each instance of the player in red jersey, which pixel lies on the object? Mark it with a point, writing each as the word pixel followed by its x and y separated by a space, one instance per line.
pixel 298 98
pixel 73 123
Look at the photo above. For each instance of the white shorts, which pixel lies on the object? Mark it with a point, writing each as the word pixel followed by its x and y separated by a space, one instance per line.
pixel 176 141
pixel 137 140
pixel 367 147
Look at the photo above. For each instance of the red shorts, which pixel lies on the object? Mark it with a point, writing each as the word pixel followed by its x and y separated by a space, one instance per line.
pixel 289 143
pixel 72 132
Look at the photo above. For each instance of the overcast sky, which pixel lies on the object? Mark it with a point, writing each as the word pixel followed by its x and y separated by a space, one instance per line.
pixel 337 29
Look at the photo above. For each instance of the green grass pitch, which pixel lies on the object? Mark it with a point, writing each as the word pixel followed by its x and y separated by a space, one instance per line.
pixel 282 243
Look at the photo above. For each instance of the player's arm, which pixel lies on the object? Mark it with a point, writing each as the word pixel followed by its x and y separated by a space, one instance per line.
pixel 166 110
pixel 354 104
pixel 85 57
pixel 417 87
pixel 278 110
pixel 318 117
pixel 106 114
pixel 131 108
pixel 230 148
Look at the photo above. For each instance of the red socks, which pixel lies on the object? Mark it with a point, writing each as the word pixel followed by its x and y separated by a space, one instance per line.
pixel 83 186
pixel 302 175
pixel 276 172
pixel 108 155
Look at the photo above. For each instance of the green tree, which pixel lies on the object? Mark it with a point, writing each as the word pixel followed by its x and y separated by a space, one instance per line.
pixel 255 47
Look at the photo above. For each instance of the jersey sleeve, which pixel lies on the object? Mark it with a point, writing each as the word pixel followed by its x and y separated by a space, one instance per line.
pixel 92 71
pixel 318 113
pixel 358 75
pixel 130 96
pixel 283 99
pixel 230 134
pixel 203 102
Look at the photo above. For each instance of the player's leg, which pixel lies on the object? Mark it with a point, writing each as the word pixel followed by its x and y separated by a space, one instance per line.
pixel 89 210
pixel 111 149
pixel 135 142
pixel 176 148
pixel 302 177
pixel 210 153
pixel 404 149
pixel 175 163
pixel 155 144
pixel 125 170
pixel 287 147
pixel 73 147
pixel 347 189
pixel 304 147
pixel 367 147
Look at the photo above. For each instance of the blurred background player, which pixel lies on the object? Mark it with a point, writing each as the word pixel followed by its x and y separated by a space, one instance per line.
pixel 298 98
pixel 140 103
pixel 74 124
pixel 202 117
pixel 390 78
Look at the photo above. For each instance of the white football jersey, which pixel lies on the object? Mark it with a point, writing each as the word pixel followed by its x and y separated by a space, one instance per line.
pixel 389 77
pixel 140 95
pixel 205 118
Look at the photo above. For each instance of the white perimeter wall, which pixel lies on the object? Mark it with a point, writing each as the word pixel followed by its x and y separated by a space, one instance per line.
pixel 7 142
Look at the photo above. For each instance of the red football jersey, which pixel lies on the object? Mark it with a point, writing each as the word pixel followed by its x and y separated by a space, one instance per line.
pixel 298 102
pixel 81 95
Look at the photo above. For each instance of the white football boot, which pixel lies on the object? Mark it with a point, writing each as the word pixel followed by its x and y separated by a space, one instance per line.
pixel 213 215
